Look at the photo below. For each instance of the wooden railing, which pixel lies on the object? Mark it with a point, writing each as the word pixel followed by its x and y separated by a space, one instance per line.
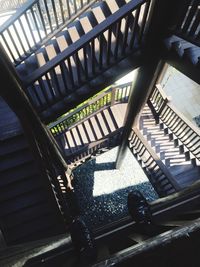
pixel 95 148
pixel 34 22
pixel 118 94
pixel 114 95
pixel 186 133
pixel 188 25
pixel 105 45
pixel 158 174
pixel 8 5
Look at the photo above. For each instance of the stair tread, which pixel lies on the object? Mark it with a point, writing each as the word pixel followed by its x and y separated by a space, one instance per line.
pixel 89 131
pixel 102 123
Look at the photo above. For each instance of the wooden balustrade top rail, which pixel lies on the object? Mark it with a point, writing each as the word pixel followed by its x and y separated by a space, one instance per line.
pixel 84 40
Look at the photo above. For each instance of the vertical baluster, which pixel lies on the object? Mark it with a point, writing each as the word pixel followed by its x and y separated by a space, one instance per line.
pixel 143 23
pixel 128 19
pixel 30 29
pixel 55 81
pixel 68 9
pixel 13 42
pixel 48 15
pixel 77 61
pixel 183 15
pixel 19 38
pixel 117 39
pixel 62 11
pixel 50 86
pixel 190 16
pixel 85 61
pixel 8 47
pixel 135 28
pixel 101 40
pixel 43 90
pixel 36 23
pixel 54 12
pixel 63 72
pixel 93 55
pixel 41 17
pixel 34 92
pixel 195 24
pixel 75 6
pixel 70 71
pixel 109 46
pixel 81 3
pixel 24 33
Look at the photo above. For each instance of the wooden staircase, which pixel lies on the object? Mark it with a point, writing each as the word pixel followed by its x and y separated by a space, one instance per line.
pixel 178 163
pixel 183 43
pixel 78 61
pixel 28 210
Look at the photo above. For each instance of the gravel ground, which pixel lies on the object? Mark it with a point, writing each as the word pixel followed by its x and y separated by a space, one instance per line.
pixel 102 190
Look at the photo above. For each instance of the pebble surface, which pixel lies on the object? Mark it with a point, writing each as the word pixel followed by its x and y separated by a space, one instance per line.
pixel 102 190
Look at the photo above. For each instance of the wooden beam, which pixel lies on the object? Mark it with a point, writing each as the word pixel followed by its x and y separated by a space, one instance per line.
pixel 141 88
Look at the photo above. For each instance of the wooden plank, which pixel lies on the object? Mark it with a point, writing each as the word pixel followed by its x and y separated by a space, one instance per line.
pixel 102 123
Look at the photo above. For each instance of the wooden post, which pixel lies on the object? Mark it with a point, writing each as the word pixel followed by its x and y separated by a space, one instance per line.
pixel 113 91
pixel 141 88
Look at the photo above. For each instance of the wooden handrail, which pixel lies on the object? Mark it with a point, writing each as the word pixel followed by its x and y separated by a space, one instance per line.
pixel 79 44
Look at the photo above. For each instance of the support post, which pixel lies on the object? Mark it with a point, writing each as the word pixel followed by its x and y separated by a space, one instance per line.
pixel 141 88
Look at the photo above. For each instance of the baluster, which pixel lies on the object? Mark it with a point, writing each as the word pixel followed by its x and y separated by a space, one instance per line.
pixel 142 26
pixel 34 91
pixel 101 39
pixel 8 47
pixel 62 11
pixel 48 15
pixel 195 24
pixel 85 61
pixel 63 74
pixel 25 34
pixel 30 29
pixel 117 39
pixel 13 42
pixel 70 72
pixel 93 56
pixel 43 90
pixel 190 16
pixel 77 61
pixel 55 13
pixel 19 38
pixel 55 82
pixel 113 95
pixel 41 18
pixel 109 46
pixel 183 15
pixel 50 86
pixel 36 23
pixel 81 3
pixel 75 6
pixel 68 9
pixel 134 28
pixel 128 19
